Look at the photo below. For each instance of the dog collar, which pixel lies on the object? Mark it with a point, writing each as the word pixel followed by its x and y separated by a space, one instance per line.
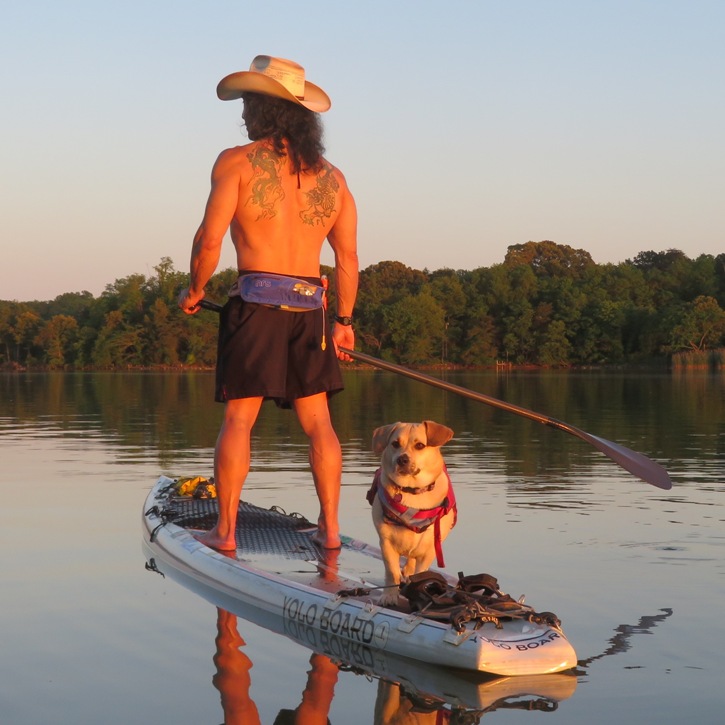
pixel 413 490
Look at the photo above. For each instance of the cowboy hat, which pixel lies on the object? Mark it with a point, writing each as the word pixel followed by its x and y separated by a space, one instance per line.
pixel 277 77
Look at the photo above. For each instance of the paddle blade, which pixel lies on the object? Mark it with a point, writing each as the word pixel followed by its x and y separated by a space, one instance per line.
pixel 636 463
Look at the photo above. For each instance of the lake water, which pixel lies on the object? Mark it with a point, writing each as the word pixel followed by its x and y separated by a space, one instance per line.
pixel 636 574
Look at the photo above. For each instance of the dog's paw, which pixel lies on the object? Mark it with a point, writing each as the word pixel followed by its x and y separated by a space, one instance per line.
pixel 389 598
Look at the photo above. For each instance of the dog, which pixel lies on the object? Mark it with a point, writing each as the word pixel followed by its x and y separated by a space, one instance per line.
pixel 413 504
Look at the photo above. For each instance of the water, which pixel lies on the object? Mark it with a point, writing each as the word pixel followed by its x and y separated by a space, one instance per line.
pixel 636 574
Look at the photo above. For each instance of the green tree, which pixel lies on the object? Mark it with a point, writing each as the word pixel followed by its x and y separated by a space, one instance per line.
pixel 167 283
pixel 549 259
pixel 662 261
pixel 8 343
pixel 554 347
pixel 85 344
pixel 58 337
pixel 701 325
pixel 416 325
pixel 78 305
pixel 720 279
pixel 26 328
pixel 447 289
pixel 118 344
pixel 478 346
pixel 162 331
pixel 664 273
pixel 381 286
pixel 479 338
pixel 127 295
pixel 518 340
pixel 512 298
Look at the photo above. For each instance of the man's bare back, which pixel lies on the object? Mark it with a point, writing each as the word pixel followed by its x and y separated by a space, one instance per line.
pixel 278 220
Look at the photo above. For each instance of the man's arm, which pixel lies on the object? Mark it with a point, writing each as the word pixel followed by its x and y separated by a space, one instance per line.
pixel 207 246
pixel 343 240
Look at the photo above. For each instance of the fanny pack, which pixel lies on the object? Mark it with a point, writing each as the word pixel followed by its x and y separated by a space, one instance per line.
pixel 275 290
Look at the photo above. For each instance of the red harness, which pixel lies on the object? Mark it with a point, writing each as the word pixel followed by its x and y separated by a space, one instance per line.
pixel 417 520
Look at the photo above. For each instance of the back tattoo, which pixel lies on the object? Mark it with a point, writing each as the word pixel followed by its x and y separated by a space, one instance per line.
pixel 267 185
pixel 321 200
pixel 267 167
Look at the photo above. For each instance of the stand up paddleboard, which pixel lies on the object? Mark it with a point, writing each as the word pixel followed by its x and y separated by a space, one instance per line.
pixel 280 570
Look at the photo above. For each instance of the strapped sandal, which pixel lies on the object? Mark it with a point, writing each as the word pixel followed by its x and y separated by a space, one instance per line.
pixel 477 583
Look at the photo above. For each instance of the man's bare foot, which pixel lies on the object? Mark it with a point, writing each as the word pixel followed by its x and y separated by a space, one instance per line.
pixel 214 541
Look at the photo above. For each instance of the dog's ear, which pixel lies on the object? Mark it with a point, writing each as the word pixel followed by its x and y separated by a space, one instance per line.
pixel 437 434
pixel 381 436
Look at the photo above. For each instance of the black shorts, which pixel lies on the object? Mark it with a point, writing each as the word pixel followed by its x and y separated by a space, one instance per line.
pixel 273 353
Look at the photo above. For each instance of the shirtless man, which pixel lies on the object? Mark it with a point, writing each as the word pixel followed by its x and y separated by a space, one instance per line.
pixel 280 200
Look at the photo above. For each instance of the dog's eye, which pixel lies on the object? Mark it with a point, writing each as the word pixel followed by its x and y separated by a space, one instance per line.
pixel 395 444
pixel 419 446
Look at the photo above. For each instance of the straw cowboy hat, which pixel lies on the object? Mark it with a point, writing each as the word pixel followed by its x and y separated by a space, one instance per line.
pixel 277 77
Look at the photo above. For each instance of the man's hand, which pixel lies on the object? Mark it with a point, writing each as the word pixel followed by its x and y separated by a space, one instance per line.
pixel 343 336
pixel 189 303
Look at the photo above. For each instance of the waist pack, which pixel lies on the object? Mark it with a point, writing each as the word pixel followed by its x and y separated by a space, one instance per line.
pixel 276 290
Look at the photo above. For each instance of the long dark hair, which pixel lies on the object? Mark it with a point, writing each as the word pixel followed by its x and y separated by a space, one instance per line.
pixel 280 121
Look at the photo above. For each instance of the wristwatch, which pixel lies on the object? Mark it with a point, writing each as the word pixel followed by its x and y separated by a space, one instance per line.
pixel 346 321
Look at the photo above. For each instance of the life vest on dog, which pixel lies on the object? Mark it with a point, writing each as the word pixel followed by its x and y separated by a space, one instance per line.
pixel 415 519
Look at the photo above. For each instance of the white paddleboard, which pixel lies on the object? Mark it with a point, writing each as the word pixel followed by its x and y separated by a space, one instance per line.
pixel 331 597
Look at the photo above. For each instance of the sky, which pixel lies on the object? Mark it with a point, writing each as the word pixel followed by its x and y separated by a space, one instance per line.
pixel 462 127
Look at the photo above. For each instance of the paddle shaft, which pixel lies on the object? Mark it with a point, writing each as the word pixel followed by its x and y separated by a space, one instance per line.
pixel 636 463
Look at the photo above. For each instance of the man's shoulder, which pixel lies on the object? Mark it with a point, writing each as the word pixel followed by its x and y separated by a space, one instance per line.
pixel 237 153
pixel 234 160
pixel 329 168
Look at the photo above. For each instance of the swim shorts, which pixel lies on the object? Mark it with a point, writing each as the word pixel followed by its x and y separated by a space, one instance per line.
pixel 273 353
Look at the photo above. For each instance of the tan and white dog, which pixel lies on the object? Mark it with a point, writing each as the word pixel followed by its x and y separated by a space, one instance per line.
pixel 413 503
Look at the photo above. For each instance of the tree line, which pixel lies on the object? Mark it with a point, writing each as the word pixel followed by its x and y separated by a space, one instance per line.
pixel 547 304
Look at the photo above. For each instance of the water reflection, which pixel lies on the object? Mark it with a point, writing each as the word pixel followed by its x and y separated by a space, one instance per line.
pixel 233 677
pixel 621 639
pixel 233 680
pixel 679 418
pixel 398 700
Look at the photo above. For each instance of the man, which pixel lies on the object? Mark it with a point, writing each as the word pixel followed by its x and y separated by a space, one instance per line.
pixel 280 199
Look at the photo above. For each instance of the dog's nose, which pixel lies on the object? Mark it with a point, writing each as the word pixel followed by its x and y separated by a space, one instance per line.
pixel 403 459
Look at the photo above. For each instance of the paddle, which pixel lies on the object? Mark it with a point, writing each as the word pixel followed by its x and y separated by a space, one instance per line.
pixel 635 463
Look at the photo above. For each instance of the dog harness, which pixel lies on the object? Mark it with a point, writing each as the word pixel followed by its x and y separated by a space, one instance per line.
pixel 417 520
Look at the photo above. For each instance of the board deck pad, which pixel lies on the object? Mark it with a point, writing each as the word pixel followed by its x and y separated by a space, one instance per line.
pixel 259 531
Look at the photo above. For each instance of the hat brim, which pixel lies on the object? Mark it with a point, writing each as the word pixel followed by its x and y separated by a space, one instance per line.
pixel 234 85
